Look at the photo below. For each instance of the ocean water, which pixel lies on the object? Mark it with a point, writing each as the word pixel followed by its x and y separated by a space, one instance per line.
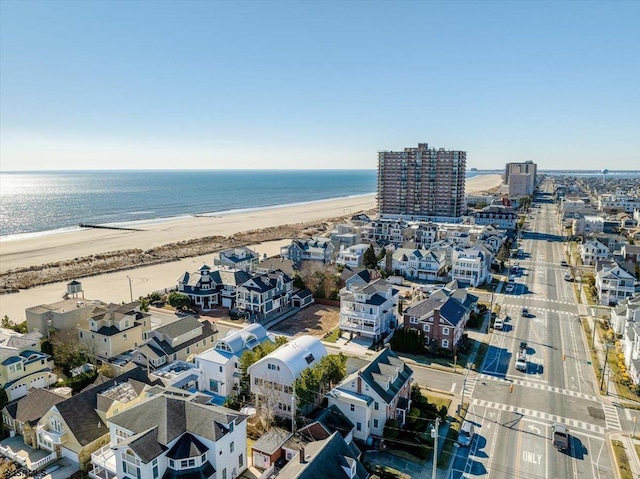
pixel 33 203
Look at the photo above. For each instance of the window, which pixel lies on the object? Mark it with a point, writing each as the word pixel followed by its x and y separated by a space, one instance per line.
pixel 224 473
pixel 445 343
pixel 231 446
pixel 309 358
pixel 445 331
pixel 352 407
pixel 220 368
pixel 427 327
pixel 375 423
pixel 359 427
pixel 192 463
pixel 376 405
pixel 241 461
pixel 413 320
pixel 203 458
pixel 172 464
pixel 81 335
pixel 183 464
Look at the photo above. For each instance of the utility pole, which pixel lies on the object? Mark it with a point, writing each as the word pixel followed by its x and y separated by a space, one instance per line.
pixel 435 447
pixel 604 368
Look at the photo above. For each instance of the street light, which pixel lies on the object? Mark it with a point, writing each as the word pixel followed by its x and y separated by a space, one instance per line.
pixel 130 289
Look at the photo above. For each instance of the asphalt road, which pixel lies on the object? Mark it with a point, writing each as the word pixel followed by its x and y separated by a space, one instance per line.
pixel 514 410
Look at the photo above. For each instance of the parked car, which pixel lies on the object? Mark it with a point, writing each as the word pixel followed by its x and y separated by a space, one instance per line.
pixel 498 324
pixel 525 313
pixel 510 288
pixel 568 277
pixel 563 263
pixel 465 436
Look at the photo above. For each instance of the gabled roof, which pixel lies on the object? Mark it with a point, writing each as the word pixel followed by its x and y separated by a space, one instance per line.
pixel 80 412
pixel 271 441
pixel 172 416
pixel 179 327
pixel 379 367
pixel 30 408
pixel 324 459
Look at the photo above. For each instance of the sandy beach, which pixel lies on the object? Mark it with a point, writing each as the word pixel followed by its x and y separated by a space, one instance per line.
pixel 114 286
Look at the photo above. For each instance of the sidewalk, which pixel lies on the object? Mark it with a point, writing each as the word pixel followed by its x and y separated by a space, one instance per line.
pixel 629 444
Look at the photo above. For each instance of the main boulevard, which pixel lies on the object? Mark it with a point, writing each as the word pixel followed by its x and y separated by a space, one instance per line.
pixel 514 410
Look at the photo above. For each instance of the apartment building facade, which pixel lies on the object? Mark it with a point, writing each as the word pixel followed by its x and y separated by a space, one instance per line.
pixel 528 169
pixel 422 184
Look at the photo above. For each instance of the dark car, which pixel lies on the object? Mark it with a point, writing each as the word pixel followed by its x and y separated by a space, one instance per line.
pixel 525 313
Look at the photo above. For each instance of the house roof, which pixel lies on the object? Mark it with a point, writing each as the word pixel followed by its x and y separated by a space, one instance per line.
pixel 30 408
pixel 187 446
pixel 237 341
pixel 380 367
pixel 80 412
pixel 324 459
pixel 173 415
pixel 271 441
pixel 179 327
pixel 266 282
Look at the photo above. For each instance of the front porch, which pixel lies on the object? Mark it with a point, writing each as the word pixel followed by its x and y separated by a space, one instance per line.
pixel 15 449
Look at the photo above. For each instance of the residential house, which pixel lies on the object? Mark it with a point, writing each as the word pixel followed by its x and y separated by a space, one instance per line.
pixel 385 231
pixel 368 310
pixel 220 373
pixel 472 265
pixel 587 225
pixel 287 266
pixel 499 216
pixel 352 256
pixel 325 458
pixel 172 435
pixel 113 330
pixel 442 320
pixel 265 294
pixel 315 248
pixel 75 428
pixel 613 283
pixel 373 392
pixel 178 374
pixel 62 315
pixel 419 264
pixel 22 365
pixel 207 288
pixel 592 251
pixel 272 377
pixel 21 416
pixel 631 253
pixel 345 235
pixel 626 311
pixel 456 236
pixel 241 258
pixel 631 351
pixel 424 234
pixel 302 298
pixel 179 340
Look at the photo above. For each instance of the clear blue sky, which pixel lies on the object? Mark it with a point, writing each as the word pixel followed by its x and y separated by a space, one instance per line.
pixel 95 85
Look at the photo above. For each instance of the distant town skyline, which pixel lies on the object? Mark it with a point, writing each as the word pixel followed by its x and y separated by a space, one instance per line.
pixel 297 85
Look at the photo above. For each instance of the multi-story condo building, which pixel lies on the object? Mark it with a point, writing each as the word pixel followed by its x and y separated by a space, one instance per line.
pixel 613 283
pixel 62 315
pixel 520 185
pixel 471 265
pixel 422 183
pixel 528 168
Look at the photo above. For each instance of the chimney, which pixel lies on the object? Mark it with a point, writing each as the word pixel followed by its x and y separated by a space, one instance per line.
pixel 302 459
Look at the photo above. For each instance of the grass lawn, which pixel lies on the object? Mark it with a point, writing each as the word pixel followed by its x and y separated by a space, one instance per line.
pixel 622 460
pixel 333 336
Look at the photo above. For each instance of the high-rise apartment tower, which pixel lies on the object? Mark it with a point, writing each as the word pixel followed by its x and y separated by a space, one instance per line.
pixel 521 178
pixel 422 183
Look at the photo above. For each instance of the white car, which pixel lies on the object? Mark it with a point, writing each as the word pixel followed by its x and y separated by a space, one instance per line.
pixel 465 436
pixel 498 324
pixel 510 288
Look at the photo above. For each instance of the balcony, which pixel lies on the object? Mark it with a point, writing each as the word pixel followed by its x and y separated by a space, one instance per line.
pixel 53 437
pixel 104 463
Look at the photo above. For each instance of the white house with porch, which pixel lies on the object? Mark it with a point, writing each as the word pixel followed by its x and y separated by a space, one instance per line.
pixel 369 309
